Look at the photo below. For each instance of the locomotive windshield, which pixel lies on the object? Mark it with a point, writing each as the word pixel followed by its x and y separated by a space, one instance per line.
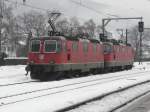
pixel 50 45
pixel 35 46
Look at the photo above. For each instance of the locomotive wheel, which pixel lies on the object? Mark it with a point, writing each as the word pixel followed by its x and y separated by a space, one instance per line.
pixel 43 77
pixel 34 75
pixel 83 74
pixel 55 75
pixel 37 73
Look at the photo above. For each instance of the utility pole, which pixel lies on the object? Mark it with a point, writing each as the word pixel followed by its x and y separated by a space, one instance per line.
pixel 141 30
pixel 140 58
pixel 126 36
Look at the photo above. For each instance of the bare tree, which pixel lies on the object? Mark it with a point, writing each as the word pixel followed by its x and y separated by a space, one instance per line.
pixel 8 38
pixel 63 26
pixel 75 26
pixel 33 21
pixel 90 27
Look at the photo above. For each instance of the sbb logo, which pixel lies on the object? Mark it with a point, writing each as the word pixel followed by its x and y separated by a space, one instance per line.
pixel 41 57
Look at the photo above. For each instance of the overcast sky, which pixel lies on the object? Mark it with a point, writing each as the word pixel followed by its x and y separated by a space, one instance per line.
pixel 121 8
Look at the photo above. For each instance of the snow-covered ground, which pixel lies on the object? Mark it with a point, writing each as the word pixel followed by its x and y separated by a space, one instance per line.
pixel 112 101
pixel 12 74
pixel 58 98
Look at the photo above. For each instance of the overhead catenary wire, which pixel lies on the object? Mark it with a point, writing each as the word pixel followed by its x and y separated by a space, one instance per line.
pixel 38 8
pixel 47 10
pixel 27 5
pixel 92 9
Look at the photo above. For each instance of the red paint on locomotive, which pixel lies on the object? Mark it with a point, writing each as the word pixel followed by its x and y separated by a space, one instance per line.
pixel 57 54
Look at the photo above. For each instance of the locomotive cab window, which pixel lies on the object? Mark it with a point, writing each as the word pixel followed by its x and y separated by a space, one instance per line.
pixel 107 48
pixel 35 46
pixel 50 46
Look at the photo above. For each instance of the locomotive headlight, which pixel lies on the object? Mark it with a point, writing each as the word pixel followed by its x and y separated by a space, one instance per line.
pixel 52 62
pixel 31 62
pixel 28 63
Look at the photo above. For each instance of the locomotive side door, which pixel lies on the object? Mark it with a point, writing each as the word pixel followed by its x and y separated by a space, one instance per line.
pixel 85 55
pixel 68 51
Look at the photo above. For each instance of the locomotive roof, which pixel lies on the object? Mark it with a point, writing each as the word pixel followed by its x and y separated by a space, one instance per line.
pixel 48 37
pixel 116 42
pixel 64 38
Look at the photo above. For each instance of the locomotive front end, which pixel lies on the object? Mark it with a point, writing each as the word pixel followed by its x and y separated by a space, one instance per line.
pixel 44 56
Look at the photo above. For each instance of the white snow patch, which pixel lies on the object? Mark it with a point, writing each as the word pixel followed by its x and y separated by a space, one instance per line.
pixel 110 102
pixel 53 102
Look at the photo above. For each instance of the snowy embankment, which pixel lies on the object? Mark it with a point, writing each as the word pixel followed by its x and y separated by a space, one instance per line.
pixel 53 101
pixel 12 74
pixel 117 100
pixel 114 101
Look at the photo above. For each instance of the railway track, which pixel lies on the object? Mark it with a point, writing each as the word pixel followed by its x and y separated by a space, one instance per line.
pixel 28 95
pixel 18 80
pixel 121 100
pixel 17 83
pixel 17 77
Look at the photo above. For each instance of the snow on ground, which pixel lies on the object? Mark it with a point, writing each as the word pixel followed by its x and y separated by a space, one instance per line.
pixel 143 65
pixel 110 102
pixel 52 102
pixel 12 71
pixel 11 74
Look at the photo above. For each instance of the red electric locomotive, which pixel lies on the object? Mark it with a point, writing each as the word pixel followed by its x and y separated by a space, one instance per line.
pixel 56 56
pixel 118 56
